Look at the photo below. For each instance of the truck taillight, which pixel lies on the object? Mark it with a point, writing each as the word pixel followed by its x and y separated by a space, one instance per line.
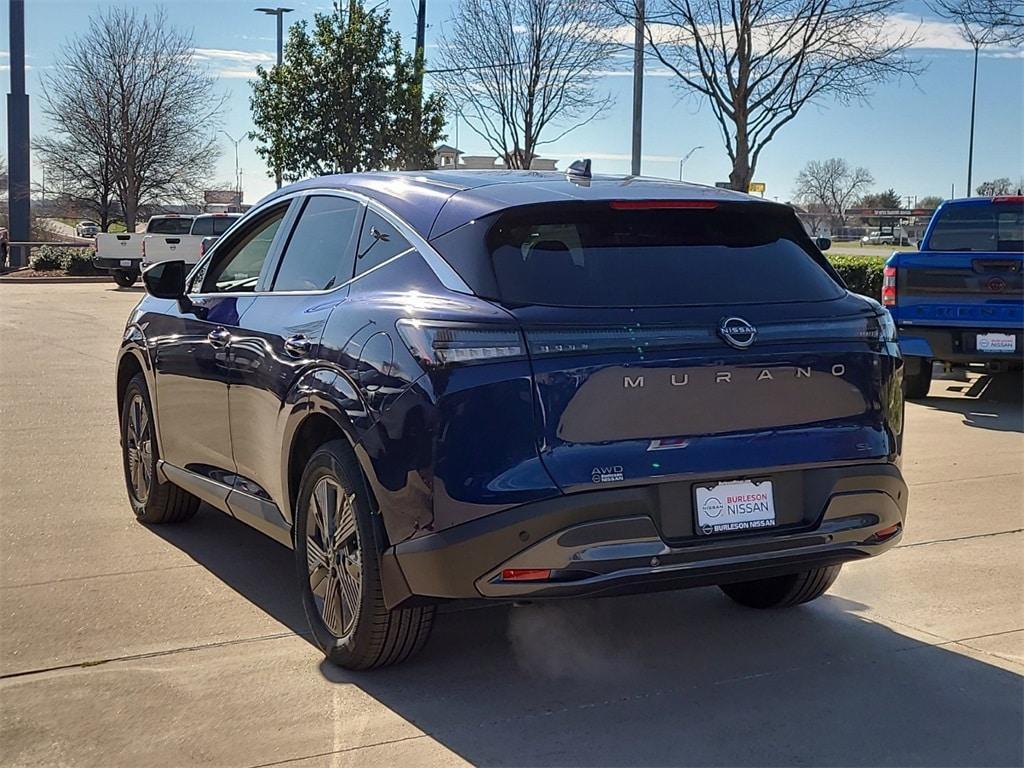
pixel 143 249
pixel 443 344
pixel 889 287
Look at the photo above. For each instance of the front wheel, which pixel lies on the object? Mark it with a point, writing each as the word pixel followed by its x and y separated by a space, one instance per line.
pixel 337 558
pixel 783 591
pixel 125 278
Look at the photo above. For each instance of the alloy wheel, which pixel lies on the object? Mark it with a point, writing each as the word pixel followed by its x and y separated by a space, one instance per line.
pixel 333 555
pixel 139 448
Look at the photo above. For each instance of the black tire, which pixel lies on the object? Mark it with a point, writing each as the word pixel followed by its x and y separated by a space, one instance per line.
pixel 156 502
pixel 783 591
pixel 125 278
pixel 369 635
pixel 917 377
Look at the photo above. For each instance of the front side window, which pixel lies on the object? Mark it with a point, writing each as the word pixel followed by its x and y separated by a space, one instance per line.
pixel 378 242
pixel 320 250
pixel 237 266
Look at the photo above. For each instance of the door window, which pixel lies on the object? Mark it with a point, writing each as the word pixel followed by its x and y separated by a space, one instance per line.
pixel 320 250
pixel 237 266
pixel 378 242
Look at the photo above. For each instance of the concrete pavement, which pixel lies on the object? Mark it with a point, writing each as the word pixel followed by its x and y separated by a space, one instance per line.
pixel 181 645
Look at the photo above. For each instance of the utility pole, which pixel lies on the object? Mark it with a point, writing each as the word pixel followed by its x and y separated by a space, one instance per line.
pixel 19 201
pixel 417 107
pixel 638 85
pixel 974 97
pixel 279 12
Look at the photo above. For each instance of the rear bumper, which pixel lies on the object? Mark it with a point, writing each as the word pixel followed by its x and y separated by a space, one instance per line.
pixel 115 265
pixel 610 542
pixel 955 345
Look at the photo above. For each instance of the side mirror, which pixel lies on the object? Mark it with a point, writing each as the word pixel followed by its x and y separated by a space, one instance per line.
pixel 165 280
pixel 823 243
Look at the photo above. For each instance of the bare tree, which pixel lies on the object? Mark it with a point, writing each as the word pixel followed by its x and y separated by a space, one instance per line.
pixel 759 62
pixel 832 186
pixel 152 121
pixel 982 23
pixel 524 72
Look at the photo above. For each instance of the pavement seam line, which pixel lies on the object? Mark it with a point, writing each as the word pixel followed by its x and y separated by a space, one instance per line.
pixel 958 538
pixel 99 576
pixel 338 751
pixel 963 479
pixel 151 654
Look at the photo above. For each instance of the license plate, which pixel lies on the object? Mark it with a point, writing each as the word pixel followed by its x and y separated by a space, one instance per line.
pixel 997 342
pixel 736 505
pixel 126 262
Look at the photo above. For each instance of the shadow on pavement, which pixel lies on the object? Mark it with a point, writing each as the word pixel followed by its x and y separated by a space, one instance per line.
pixel 991 401
pixel 688 678
pixel 255 566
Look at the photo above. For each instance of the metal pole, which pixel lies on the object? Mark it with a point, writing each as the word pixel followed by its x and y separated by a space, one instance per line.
pixel 417 107
pixel 280 60
pixel 970 148
pixel 19 200
pixel 638 85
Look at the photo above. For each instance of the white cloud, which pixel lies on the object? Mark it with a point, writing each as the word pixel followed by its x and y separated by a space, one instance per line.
pixel 231 56
pixel 609 156
pixel 236 73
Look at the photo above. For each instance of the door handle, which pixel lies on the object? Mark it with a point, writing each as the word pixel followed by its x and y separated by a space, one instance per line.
pixel 219 337
pixel 297 346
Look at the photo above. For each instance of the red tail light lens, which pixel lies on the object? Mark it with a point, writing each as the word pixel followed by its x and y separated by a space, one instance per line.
pixel 525 574
pixel 143 249
pixel 1008 199
pixel 648 205
pixel 441 344
pixel 889 287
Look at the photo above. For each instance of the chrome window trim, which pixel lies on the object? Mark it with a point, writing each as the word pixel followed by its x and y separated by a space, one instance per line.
pixel 444 271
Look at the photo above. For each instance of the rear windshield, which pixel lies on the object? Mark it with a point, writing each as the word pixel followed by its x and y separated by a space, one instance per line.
pixel 175 226
pixel 598 255
pixel 979 227
pixel 212 225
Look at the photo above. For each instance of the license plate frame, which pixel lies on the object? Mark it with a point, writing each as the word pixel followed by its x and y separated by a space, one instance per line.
pixel 734 506
pixel 996 343
pixel 126 262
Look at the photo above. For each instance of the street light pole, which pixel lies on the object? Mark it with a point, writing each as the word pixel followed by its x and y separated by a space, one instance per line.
pixel 638 85
pixel 238 178
pixel 974 97
pixel 682 163
pixel 279 13
pixel 19 201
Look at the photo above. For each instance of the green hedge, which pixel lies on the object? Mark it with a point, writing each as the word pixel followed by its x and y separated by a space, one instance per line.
pixel 73 261
pixel 863 274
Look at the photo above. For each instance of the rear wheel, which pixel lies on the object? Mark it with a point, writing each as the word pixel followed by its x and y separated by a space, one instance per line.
pixel 337 558
pixel 917 377
pixel 152 500
pixel 783 591
pixel 125 278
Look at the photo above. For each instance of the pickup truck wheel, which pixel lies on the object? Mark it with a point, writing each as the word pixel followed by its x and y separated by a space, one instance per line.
pixel 125 278
pixel 152 500
pixel 337 559
pixel 917 377
pixel 783 591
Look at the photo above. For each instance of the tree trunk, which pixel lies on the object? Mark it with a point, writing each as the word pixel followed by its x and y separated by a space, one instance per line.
pixel 742 174
pixel 130 207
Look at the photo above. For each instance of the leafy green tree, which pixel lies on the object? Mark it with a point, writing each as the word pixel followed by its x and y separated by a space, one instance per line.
pixel 344 99
pixel 889 199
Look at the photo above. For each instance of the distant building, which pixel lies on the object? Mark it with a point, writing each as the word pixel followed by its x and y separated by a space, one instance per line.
pixel 447 157
pixel 222 201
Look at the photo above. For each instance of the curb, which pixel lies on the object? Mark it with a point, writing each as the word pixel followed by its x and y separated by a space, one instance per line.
pixel 77 279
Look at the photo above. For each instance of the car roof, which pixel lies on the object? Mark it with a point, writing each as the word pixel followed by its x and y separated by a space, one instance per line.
pixel 435 202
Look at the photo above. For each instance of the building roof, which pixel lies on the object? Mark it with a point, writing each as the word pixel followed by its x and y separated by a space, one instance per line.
pixel 447 148
pixel 435 202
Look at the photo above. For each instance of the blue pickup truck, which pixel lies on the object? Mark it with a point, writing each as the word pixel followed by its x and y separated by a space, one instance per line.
pixel 960 297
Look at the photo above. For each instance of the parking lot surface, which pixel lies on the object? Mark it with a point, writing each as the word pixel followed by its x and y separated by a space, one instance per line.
pixel 185 645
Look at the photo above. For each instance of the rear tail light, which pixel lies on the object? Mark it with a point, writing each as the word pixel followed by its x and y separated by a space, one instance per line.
pixel 143 249
pixel 889 287
pixel 437 344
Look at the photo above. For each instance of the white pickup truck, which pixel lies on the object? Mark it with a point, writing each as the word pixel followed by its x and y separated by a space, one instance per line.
pixel 190 246
pixel 120 255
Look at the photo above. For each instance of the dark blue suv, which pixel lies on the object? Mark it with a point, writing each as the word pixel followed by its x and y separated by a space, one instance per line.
pixel 516 386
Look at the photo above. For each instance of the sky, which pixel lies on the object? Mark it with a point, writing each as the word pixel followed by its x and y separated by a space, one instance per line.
pixel 911 135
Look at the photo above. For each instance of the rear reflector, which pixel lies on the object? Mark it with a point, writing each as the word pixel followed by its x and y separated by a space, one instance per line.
pixel 889 287
pixel 887 533
pixel 526 574
pixel 648 205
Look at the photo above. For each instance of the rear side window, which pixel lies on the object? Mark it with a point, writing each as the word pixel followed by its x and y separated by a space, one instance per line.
pixel 378 242
pixel 599 254
pixel 321 248
pixel 175 226
pixel 208 226
pixel 996 227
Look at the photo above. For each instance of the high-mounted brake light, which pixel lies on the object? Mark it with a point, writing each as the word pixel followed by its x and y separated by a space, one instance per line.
pixel 889 287
pixel 650 205
pixel 441 344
